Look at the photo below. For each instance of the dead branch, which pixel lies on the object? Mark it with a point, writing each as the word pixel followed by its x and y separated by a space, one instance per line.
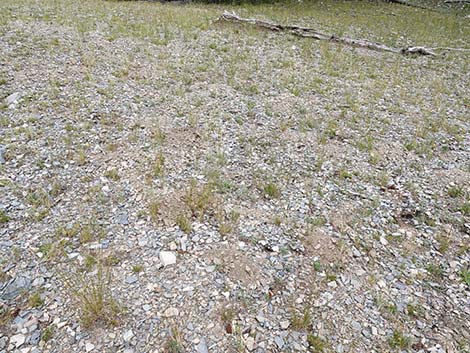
pixel 311 33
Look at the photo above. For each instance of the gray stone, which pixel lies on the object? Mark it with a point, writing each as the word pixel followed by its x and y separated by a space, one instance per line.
pixel 202 346
pixel 122 219
pixel 13 98
pixel 15 287
pixel 279 341
pixel 131 279
pixel 167 258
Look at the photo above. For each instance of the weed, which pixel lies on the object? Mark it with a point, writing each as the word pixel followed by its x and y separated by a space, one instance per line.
pixel 465 276
pixel 154 209
pixel 3 217
pixel 174 343
pixel 271 190
pixel 92 295
pixel 35 300
pixel 455 191
pixel 47 333
pixel 399 340
pixel 159 165
pixel 199 198
pixel 184 223
pixel 435 270
pixel 315 343
pixel 443 242
pixel 137 268
pixel 302 321
pixel 227 314
pixel 465 208
pixel 112 174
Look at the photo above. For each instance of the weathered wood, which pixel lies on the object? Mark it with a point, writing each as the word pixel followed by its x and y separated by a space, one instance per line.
pixel 312 33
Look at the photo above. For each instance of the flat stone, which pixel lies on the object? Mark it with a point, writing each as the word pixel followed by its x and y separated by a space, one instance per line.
pixel 128 335
pixel 15 287
pixel 284 324
pixel 171 312
pixel 167 258
pixel 250 343
pixel 122 219
pixel 89 346
pixel 131 279
pixel 17 340
pixel 279 341
pixel 13 98
pixel 202 346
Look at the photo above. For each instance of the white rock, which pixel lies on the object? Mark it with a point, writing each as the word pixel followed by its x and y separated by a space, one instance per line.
pixel 17 340
pixel 128 335
pixel 89 346
pixel 12 98
pixel 250 343
pixel 167 258
pixel 171 312
pixel 284 324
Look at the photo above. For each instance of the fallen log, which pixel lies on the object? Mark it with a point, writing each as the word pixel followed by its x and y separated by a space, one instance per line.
pixel 311 33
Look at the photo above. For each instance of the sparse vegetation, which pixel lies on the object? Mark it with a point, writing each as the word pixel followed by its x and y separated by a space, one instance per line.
pixel 93 298
pixel 399 341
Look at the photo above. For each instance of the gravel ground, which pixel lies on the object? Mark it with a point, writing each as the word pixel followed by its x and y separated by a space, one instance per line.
pixel 173 184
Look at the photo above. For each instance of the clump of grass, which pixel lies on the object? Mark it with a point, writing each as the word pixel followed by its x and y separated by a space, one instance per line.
pixel 159 165
pixel 465 208
pixel 154 209
pixel 399 340
pixel 443 243
pixel 112 174
pixel 315 343
pixel 465 276
pixel 35 300
pixel 455 191
pixel 92 296
pixel 175 342
pixel 137 268
pixel 184 223
pixel 271 190
pixel 227 314
pixel 3 217
pixel 47 333
pixel 301 322
pixel 199 198
pixel 435 270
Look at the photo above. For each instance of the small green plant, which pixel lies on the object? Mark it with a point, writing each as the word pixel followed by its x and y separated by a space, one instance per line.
pixel 399 340
pixel 199 198
pixel 184 223
pixel 137 268
pixel 435 270
pixel 465 208
pixel 271 190
pixel 414 310
pixel 93 298
pixel 465 276
pixel 3 217
pixel 302 321
pixel 315 343
pixel 317 266
pixel 154 209
pixel 47 333
pixel 159 165
pixel 35 300
pixel 112 174
pixel 174 343
pixel 228 314
pixel 443 243
pixel 455 191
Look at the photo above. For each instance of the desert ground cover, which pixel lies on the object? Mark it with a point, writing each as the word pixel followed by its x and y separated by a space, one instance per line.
pixel 173 183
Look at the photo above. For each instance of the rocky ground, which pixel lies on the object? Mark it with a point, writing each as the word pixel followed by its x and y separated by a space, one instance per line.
pixel 169 183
